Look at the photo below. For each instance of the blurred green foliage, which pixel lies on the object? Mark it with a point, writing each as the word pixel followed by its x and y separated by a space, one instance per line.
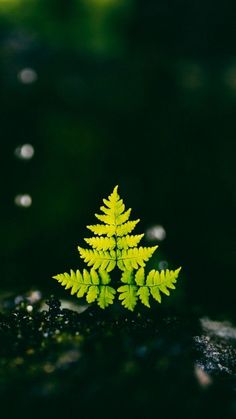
pixel 140 93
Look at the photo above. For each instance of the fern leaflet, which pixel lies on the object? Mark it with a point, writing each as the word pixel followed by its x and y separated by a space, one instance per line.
pixel 134 258
pixel 101 243
pixel 128 241
pixel 98 259
pixel 93 284
pixel 139 286
pixel 128 292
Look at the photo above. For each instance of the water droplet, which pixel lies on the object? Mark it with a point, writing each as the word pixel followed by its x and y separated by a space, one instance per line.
pixel 24 152
pixel 24 200
pixel 27 76
pixel 156 232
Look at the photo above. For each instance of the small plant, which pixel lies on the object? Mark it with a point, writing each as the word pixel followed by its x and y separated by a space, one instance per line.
pixel 113 246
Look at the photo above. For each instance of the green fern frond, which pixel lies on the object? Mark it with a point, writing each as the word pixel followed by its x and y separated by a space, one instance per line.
pixel 129 241
pixel 99 229
pixel 137 286
pixel 99 259
pixel 92 284
pixel 92 293
pixel 114 210
pixel 156 283
pixel 128 292
pixel 143 293
pixel 122 218
pixel 112 246
pixel 127 277
pixel 117 247
pixel 114 215
pixel 128 296
pixel 106 219
pixel 126 228
pixel 140 277
pixel 106 296
pixel 101 243
pixel 114 202
pixel 134 258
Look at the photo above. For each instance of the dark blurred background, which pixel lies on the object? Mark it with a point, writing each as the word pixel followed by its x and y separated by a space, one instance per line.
pixel 140 93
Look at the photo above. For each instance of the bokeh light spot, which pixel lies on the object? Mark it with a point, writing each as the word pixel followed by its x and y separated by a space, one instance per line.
pixel 24 152
pixel 27 76
pixel 163 264
pixel 156 232
pixel 24 200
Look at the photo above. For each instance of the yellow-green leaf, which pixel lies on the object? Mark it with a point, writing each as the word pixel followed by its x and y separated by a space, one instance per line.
pixel 128 296
pixel 143 293
pixel 106 296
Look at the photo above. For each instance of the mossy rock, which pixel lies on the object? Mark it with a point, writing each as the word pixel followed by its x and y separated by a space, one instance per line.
pixel 107 363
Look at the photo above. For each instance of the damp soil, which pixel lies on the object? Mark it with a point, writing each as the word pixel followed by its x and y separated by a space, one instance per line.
pixel 60 360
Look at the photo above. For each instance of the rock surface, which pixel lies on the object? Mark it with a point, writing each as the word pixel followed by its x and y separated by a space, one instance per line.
pixel 113 363
pixel 216 347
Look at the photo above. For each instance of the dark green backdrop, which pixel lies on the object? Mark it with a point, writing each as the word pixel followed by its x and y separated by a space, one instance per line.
pixel 136 92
